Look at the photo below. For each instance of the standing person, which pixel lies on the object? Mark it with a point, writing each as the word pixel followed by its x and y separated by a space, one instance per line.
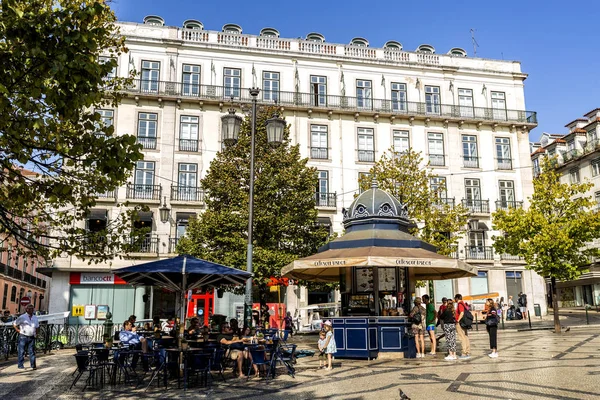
pixel 522 302
pixel 430 322
pixel 288 323
pixel 440 321
pixel 417 316
pixel 448 318
pixel 321 346
pixel 26 325
pixel 491 326
pixel 463 332
pixel 330 347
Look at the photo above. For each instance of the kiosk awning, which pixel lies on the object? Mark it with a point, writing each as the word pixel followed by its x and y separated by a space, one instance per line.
pixel 427 265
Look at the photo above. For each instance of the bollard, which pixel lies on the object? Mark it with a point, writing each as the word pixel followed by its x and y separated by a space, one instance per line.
pixel 476 323
pixel 529 319
pixel 502 319
pixel 587 318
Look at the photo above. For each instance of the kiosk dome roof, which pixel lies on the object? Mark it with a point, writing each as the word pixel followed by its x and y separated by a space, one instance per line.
pixel 375 203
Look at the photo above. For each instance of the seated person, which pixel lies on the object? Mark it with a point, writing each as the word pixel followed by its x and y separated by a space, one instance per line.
pixel 194 329
pixel 156 327
pixel 147 327
pixel 132 319
pixel 133 340
pixel 236 348
pixel 234 327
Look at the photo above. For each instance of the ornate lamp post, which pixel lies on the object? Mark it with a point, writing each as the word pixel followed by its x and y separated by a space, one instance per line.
pixel 231 124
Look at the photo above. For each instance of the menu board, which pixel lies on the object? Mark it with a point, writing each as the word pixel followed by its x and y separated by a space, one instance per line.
pixel 387 279
pixel 364 279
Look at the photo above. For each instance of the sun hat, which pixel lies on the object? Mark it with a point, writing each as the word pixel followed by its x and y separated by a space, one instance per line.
pixel 328 323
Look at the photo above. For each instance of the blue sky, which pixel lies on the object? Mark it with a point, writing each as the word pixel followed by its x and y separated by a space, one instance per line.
pixel 554 40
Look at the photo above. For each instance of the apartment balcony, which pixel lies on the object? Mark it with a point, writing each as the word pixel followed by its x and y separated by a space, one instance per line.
pixel 470 162
pixel 504 163
pixel 110 195
pixel 188 194
pixel 173 244
pixel 189 145
pixel 454 253
pixel 319 153
pixel 94 243
pixel 437 160
pixel 441 201
pixel 148 143
pixel 345 104
pixel 147 244
pixel 477 206
pixel 328 200
pixel 143 192
pixel 479 252
pixel 510 257
pixel 366 155
pixel 507 204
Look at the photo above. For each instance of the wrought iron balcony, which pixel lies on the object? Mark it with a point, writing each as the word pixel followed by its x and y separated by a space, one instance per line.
pixel 328 102
pixel 366 155
pixel 504 163
pixel 143 192
pixel 506 204
pixel 111 194
pixel 188 145
pixel 470 162
pixel 326 199
pixel 510 257
pixel 437 160
pixel 454 253
pixel 439 201
pixel 479 252
pixel 147 244
pixel 187 193
pixel 147 142
pixel 173 244
pixel 477 206
pixel 319 153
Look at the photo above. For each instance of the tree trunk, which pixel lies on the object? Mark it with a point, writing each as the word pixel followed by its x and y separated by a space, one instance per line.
pixel 555 306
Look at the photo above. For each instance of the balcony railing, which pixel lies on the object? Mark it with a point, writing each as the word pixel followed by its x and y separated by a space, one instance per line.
pixel 470 162
pixel 111 194
pixel 504 163
pixel 147 244
pixel 366 155
pixel 187 193
pixel 510 257
pixel 147 142
pixel 439 201
pixel 319 153
pixel 477 206
pixel 326 101
pixel 143 192
pixel 188 145
pixel 454 253
pixel 506 204
pixel 173 244
pixel 437 160
pixel 326 199
pixel 479 252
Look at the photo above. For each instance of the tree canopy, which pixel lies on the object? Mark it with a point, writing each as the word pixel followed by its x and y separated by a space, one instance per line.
pixel 554 233
pixel 285 217
pixel 435 220
pixel 52 80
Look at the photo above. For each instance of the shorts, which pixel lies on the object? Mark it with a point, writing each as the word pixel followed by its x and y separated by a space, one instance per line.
pixel 523 309
pixel 430 328
pixel 322 356
pixel 417 330
pixel 234 354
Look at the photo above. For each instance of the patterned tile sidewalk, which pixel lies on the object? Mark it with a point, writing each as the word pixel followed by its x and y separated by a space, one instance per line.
pixel 532 365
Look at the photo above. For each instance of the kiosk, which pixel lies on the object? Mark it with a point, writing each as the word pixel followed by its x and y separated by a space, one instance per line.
pixel 376 263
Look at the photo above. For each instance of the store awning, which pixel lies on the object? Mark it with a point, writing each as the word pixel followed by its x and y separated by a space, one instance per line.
pixel 426 265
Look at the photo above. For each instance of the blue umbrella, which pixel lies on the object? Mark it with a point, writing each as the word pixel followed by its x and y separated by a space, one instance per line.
pixel 182 273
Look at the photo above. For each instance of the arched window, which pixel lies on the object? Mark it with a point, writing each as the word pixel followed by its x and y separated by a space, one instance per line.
pixel 457 52
pixel 315 37
pixel 425 48
pixel 13 294
pixel 232 28
pixel 269 32
pixel 193 24
pixel 154 20
pixel 359 42
pixel 393 45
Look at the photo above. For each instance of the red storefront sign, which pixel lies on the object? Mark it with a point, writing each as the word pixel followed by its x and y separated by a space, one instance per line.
pixel 95 278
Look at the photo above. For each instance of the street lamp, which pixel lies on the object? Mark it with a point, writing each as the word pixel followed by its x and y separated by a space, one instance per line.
pixel 231 125
pixel 164 211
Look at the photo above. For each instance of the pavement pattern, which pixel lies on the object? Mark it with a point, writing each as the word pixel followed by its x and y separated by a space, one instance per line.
pixel 534 364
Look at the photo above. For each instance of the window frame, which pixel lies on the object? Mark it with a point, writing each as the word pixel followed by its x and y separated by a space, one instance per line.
pixel 368 138
pixel 498 113
pixel 467 111
pixel 472 187
pixel 402 137
pixel 470 151
pixel 574 176
pixel 321 95
pixel 150 84
pixel 191 88
pixel 433 100
pixel 595 166
pixel 319 131
pixel 436 138
pixel 503 162
pixel 145 120
pixel 230 80
pixel 399 96
pixel 271 94
pixel 364 94
pixel 144 172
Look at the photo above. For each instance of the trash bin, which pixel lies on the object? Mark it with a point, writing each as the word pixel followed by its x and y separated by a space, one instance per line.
pixel 537 309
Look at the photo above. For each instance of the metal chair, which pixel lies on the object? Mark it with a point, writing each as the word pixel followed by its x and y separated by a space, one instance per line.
pixel 258 359
pixel 199 364
pixel 83 366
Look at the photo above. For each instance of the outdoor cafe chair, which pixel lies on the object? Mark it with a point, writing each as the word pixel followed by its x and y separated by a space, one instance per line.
pixel 84 365
pixel 199 366
pixel 158 366
pixel 285 354
pixel 216 363
pixel 258 359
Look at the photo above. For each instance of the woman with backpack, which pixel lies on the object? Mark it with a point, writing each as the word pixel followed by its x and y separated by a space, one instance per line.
pixel 417 317
pixel 491 325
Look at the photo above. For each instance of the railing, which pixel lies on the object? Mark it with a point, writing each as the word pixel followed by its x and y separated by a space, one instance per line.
pixel 273 43
pixel 504 163
pixel 320 153
pixel 366 155
pixel 359 52
pixel 470 162
pixel 232 39
pixel 454 253
pixel 437 160
pixel 477 206
pixel 510 257
pixel 326 199
pixel 147 244
pixel 173 244
pixel 316 47
pixel 187 193
pixel 147 142
pixel 111 194
pixel 21 275
pixel 327 101
pixel 438 201
pixel 93 244
pixel 479 252
pixel 188 145
pixel 143 192
pixel 506 204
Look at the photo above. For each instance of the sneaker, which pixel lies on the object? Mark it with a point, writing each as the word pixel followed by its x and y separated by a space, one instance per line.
pixel 450 358
pixel 21 367
pixel 431 354
pixel 465 357
pixel 418 355
pixel 493 355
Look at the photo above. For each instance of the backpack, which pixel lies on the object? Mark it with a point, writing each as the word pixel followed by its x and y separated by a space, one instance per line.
pixel 467 319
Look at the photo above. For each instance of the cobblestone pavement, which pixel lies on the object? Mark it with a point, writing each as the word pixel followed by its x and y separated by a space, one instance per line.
pixel 532 365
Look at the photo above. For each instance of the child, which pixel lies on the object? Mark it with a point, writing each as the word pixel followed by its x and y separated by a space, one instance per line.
pixel 330 347
pixel 321 344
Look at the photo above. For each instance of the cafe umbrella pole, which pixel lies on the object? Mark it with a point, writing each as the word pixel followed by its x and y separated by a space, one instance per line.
pixel 183 303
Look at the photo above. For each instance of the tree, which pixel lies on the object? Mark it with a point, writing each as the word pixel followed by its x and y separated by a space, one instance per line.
pixel 285 217
pixel 51 81
pixel 434 220
pixel 554 233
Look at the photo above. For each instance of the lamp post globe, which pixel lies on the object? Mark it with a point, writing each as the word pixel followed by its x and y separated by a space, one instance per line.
pixel 230 127
pixel 275 128
pixel 164 211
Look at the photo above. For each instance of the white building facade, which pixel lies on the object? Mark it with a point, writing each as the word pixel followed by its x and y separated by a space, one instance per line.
pixel 346 105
